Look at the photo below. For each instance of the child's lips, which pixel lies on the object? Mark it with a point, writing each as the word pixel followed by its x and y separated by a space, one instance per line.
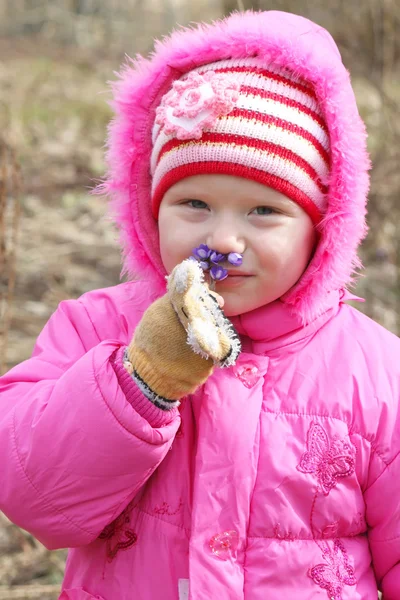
pixel 234 280
pixel 239 274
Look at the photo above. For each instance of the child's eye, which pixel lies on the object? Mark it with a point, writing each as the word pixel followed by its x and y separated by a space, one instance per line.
pixel 264 210
pixel 196 203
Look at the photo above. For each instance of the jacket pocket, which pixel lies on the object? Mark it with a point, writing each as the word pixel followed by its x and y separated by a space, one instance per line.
pixel 78 594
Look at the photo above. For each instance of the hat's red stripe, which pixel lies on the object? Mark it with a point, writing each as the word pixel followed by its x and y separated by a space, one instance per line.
pixel 281 185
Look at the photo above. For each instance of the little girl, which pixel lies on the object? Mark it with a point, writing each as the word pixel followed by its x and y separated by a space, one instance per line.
pixel 183 451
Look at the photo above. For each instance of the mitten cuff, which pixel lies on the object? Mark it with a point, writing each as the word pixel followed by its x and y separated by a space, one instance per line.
pixel 154 380
pixel 156 416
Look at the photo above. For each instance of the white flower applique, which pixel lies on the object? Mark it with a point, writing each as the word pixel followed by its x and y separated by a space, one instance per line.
pixel 196 103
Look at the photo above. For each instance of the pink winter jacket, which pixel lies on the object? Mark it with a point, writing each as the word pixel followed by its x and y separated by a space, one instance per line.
pixel 280 477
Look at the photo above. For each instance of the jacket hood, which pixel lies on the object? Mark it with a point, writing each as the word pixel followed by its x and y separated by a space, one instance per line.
pixel 289 41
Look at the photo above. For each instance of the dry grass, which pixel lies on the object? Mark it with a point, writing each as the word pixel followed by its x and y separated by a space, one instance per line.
pixel 27 569
pixel 10 210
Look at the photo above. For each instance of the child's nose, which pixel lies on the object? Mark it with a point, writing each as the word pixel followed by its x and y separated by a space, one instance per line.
pixel 225 242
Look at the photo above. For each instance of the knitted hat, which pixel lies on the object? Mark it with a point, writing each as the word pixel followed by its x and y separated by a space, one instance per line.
pixel 243 118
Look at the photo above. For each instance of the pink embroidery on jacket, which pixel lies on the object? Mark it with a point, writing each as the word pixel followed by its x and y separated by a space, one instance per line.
pixel 328 460
pixel 358 525
pixel 288 536
pixel 165 509
pixel 331 530
pixel 195 104
pixel 336 573
pixel 118 534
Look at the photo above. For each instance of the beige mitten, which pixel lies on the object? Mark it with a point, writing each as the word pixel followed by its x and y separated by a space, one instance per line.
pixel 180 338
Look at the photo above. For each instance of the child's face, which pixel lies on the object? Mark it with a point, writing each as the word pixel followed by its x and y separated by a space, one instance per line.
pixel 233 214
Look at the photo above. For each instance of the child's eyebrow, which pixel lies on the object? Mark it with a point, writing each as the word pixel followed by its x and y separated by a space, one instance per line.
pixel 189 192
pixel 196 193
pixel 281 201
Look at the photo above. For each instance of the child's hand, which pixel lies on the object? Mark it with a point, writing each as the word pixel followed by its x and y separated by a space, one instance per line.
pixel 209 332
pixel 182 336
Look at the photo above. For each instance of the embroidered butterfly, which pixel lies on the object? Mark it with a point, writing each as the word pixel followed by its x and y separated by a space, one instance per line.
pixel 337 573
pixel 327 460
pixel 118 534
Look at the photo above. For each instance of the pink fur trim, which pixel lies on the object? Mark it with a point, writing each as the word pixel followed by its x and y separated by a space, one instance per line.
pixel 287 40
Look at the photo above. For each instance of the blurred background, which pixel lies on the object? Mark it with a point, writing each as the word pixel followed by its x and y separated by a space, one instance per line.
pixel 56 242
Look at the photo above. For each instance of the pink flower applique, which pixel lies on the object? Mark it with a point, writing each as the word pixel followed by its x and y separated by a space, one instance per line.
pixel 336 573
pixel 328 460
pixel 195 104
pixel 225 544
pixel 248 375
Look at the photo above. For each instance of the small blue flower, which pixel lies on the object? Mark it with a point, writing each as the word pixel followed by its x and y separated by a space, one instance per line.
pixel 218 273
pixel 204 265
pixel 208 260
pixel 202 252
pixel 216 257
pixel 235 259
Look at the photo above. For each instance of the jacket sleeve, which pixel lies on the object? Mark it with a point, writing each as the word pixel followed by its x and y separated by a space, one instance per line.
pixel 74 451
pixel 382 500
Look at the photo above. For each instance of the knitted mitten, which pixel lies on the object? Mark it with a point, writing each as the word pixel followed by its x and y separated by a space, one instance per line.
pixel 180 338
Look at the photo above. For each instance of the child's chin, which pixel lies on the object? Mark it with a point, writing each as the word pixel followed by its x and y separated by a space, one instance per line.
pixel 232 308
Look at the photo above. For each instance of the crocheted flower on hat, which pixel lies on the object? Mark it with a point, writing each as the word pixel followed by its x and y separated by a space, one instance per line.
pixel 195 104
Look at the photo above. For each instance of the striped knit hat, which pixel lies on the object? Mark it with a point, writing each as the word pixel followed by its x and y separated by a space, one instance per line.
pixel 243 118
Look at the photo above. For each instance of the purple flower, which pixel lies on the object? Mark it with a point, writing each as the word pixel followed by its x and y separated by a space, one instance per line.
pixel 202 252
pixel 204 265
pixel 218 273
pixel 235 259
pixel 216 257
pixel 208 260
